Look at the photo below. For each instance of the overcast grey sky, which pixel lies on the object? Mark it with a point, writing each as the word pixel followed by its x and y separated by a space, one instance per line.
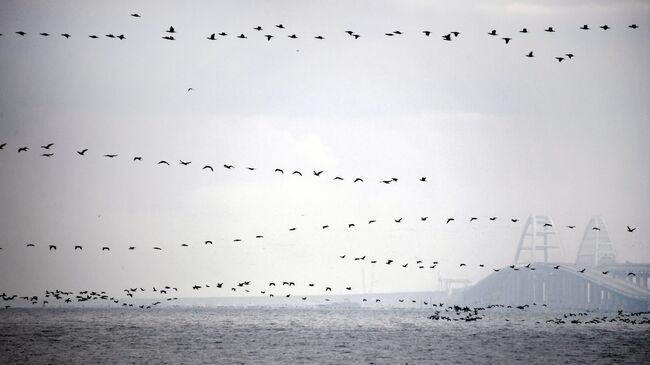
pixel 494 132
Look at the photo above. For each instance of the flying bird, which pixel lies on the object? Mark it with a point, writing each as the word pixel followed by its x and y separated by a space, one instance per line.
pixel 326 226
pixel 524 30
pixel 570 55
pixel 135 15
pixel 163 162
pixel 171 30
pixel 358 179
pixel 47 155
pixel 398 220
pixel 559 59
pixel 66 35
pixel 105 248
pixel 212 37
pixel 426 32
pixel 242 36
pixel 2 146
pixel 371 221
pixel 110 156
pixel 228 166
pixel 514 220
pixel 268 37
pixel 493 32
pixel 585 27
pixel 317 173
pixel 319 37
pixel 449 220
pixel 78 247
pixel 47 146
pixel 550 30
pixel 281 26
pixel 52 247
pixel 82 152
pixel 423 179
pixel 530 54
pixel 208 167
pixel 296 172
pixel 423 218
pixel 45 34
pixel 605 27
pixel 279 170
pixel 184 163
pixel 447 37
pixel 571 227
pixel 293 36
pixel 169 38
pixel 258 28
pixel 633 26
pixel 595 229
pixel 338 178
pixel 629 229
pixel 507 39
pixel 21 33
pixel 137 158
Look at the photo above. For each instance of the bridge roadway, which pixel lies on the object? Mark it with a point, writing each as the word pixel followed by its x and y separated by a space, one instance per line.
pixel 564 287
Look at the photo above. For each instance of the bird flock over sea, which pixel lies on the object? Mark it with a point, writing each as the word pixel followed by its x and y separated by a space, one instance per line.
pixel 273 33
pixel 279 31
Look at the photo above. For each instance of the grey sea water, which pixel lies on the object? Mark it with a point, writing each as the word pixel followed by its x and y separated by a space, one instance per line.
pixel 310 336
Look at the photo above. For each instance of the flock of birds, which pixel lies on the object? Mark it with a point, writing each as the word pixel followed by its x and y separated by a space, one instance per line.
pixel 281 31
pixel 442 311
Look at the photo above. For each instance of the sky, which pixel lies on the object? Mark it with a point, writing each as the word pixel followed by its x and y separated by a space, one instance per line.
pixel 495 134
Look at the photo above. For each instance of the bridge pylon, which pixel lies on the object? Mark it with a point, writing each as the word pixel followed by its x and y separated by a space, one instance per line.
pixel 596 248
pixel 539 236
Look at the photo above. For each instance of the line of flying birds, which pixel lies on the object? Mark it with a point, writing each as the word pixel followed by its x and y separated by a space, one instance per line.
pixel 171 32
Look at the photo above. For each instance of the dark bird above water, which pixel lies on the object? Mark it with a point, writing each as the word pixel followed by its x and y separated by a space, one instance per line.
pixel 208 167
pixel 325 226
pixel 110 156
pixel 23 149
pixel 135 15
pixel 556 267
pixel 423 218
pixel 268 37
pixel 633 26
pixel 212 37
pixel 449 220
pixel 228 166
pixel 293 36
pixel 281 26
pixel 629 229
pixel 549 29
pixel 157 248
pixel 571 227
pixel 559 59
pixel 595 229
pixel 47 155
pixel 105 248
pixel 2 146
pixel 78 248
pixel 208 242
pixel 569 55
pixel 605 27
pixel 473 219
pixel 631 274
pixel 21 33
pixel 296 172
pixel 507 39
pixel 258 28
pixel 30 245
pixel 242 36
pixel 82 152
pixel 223 34
pixel 581 271
pixel 398 220
pixel 137 158
pixel 371 221
pixel 52 247
pixel 279 170
pixel 547 225
pixel 45 34
pixel 493 32
pixel 514 220
pixel 358 179
pixel 317 173
pixel 524 30
pixel 338 178
pixel 171 30
pixel 530 54
pixel 426 32
pixel 184 163
pixel 350 225
pixel 66 35
pixel 423 179
pixel 47 146
pixel 163 162
pixel 319 37
pixel 95 37
pixel 447 37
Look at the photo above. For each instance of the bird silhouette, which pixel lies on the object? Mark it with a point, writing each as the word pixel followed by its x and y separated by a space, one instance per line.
pixel 82 152
pixel 47 146
pixel 45 34
pixel 30 245
pixel 171 30
pixel 279 170
pixel 423 218
pixel 547 225
pixel 559 59
pixel 556 267
pixel 507 39
pixel 208 167
pixel 423 179
pixel 350 225
pixel 2 146
pixel 358 179
pixel 208 242
pixel 21 33
pixel 228 166
pixel 296 172
pixel 47 155
pixel 110 36
pixel 447 37
pixel 585 27
pixel 293 36
pixel 595 229
pixel 131 248
pixel 212 37
pixel 473 219
pixel 223 34
pixel 456 34
pixel 105 248
pixel 605 27
pixel 163 162
pixel 524 30
pixel 320 37
pixel 258 28
pixel 581 271
pixel 530 54
pixel 398 220
pixel 317 173
pixel 405 265
pixel 338 178
pixel 66 35
pixel 169 38
pixel 268 37
pixel 605 272
pixel 569 55
pixel 281 26
pixel 157 248
pixel 571 227
pixel 52 247
pixel 137 158
pixel 633 26
pixel 371 221
pixel 631 274
pixel 388 262
pixel 121 37
pixel 184 163
pixel 426 32
pixel 550 30
pixel 242 36
pixel 629 229
pixel 184 245
pixel 325 226
pixel 135 15
pixel 493 32
pixel 110 156
pixel 449 220
pixel 493 218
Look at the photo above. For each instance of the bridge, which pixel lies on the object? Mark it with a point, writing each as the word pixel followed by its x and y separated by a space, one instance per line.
pixel 594 282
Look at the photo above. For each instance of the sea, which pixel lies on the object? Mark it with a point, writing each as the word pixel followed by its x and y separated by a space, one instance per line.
pixel 234 335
